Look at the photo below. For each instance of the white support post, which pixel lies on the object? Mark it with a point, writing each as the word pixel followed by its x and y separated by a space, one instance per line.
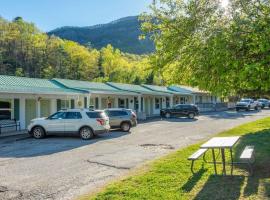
pixel 22 112
pixel 53 106
pixel 171 101
pixel 193 99
pixel 116 100
pixel 99 103
pixel 38 108
pixel 139 104
pixel 88 101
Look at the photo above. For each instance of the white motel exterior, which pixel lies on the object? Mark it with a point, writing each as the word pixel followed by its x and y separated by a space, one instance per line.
pixel 26 98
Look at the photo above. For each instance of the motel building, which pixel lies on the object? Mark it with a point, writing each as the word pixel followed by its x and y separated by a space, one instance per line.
pixel 24 98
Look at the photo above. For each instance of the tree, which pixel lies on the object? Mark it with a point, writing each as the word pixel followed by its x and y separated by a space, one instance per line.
pixel 200 43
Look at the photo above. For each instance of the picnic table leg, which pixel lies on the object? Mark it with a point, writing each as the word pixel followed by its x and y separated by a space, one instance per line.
pixel 214 161
pixel 223 161
pixel 231 161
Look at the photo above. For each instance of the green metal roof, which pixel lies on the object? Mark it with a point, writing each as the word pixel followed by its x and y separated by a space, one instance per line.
pixel 92 87
pixel 187 89
pixel 13 84
pixel 164 89
pixel 136 88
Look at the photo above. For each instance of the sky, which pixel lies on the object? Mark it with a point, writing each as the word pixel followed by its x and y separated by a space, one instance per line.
pixel 51 14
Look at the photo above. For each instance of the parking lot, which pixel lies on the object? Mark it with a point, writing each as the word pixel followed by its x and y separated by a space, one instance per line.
pixel 66 167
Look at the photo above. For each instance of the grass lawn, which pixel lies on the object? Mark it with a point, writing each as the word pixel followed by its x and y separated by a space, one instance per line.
pixel 170 177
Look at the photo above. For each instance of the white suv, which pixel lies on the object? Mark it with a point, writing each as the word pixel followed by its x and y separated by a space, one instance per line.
pixel 84 122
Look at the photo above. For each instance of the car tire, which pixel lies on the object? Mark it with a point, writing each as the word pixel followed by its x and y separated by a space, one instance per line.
pixel 86 133
pixel 167 115
pixel 38 132
pixel 191 115
pixel 125 126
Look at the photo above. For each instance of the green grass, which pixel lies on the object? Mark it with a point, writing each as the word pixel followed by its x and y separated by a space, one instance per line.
pixel 170 178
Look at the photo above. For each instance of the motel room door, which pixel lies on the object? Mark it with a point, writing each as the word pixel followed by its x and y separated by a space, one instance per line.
pixel 45 108
pixel 30 110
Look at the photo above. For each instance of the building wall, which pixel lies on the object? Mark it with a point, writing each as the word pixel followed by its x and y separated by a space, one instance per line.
pixel 34 106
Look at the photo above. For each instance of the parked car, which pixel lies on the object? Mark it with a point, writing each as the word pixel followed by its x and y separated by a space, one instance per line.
pixel 180 110
pixel 86 123
pixel 247 104
pixel 264 103
pixel 121 118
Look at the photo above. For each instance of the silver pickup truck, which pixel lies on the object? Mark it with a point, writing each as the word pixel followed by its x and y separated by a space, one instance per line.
pixel 247 104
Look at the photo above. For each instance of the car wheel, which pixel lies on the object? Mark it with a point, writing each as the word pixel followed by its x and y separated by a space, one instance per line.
pixel 168 115
pixel 191 115
pixel 38 132
pixel 86 133
pixel 125 126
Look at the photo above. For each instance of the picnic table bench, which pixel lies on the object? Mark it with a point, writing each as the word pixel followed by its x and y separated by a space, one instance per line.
pixel 9 123
pixel 247 156
pixel 195 156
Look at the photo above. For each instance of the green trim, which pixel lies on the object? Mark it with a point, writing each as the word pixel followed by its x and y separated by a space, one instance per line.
pixel 17 109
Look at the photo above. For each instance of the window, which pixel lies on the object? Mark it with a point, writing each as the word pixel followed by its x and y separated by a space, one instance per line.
pixel 167 102
pixel 5 109
pixel 141 103
pixel 200 99
pixel 157 103
pixel 73 115
pixel 65 104
pixel 58 115
pixel 182 100
pixel 96 115
pixel 136 103
pixel 96 103
pixel 121 103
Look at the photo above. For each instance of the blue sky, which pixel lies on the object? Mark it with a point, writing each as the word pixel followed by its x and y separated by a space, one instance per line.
pixel 50 14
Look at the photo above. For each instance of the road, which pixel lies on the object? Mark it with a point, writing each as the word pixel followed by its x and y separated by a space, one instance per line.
pixel 66 167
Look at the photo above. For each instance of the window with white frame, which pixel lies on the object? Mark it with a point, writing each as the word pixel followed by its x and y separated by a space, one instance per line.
pixel 65 104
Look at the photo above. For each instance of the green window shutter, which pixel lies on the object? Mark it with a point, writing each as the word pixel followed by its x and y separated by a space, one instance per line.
pixel 96 103
pixel 17 109
pixel 72 103
pixel 58 104
pixel 85 102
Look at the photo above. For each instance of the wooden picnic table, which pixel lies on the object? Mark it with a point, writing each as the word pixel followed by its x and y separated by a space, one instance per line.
pixel 221 143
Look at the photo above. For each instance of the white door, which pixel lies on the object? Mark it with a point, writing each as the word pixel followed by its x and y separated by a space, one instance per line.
pixel 73 121
pixel 56 123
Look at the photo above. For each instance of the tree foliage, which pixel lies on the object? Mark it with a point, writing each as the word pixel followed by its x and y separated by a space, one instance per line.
pixel 201 43
pixel 26 51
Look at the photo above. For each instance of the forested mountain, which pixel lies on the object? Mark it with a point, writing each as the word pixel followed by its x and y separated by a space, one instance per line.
pixel 122 34
pixel 26 51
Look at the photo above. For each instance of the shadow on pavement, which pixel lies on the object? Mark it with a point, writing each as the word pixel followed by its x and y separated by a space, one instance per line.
pixel 30 147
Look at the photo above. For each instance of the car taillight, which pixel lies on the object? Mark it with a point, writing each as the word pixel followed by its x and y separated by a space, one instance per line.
pixel 101 121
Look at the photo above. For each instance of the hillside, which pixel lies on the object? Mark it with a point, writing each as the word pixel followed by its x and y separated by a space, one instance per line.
pixel 122 34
